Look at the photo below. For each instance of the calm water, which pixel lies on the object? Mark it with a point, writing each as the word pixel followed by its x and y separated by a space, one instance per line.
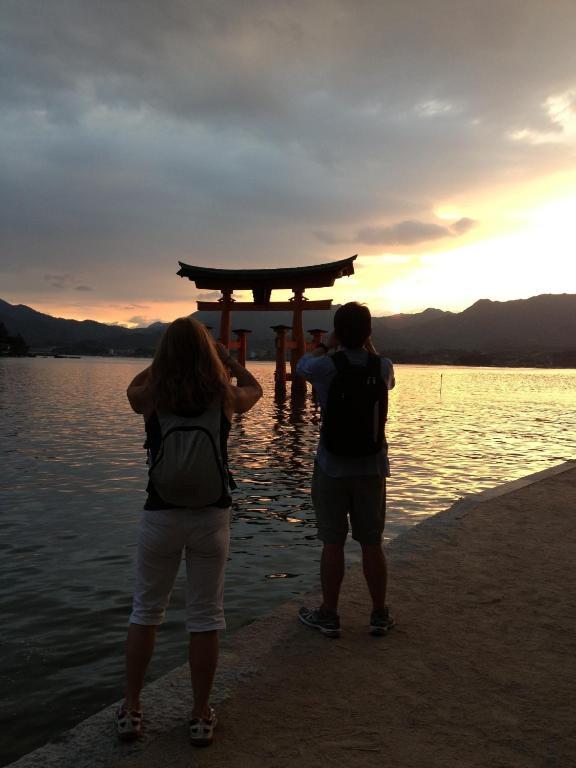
pixel 71 488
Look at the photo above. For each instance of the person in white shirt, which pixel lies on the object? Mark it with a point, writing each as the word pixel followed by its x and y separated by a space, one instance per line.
pixel 348 483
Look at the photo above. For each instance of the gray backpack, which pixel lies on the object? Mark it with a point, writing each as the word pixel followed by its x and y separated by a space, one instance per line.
pixel 189 470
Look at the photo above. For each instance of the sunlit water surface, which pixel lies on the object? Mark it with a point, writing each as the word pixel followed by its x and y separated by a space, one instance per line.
pixel 71 490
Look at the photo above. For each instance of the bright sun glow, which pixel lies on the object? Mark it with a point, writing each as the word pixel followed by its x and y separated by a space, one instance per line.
pixel 534 252
pixel 448 213
pixel 524 244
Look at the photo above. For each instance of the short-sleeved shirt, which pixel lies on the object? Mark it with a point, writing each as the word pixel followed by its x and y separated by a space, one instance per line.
pixel 320 371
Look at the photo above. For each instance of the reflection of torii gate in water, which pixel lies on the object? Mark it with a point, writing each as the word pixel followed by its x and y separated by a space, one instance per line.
pixel 262 282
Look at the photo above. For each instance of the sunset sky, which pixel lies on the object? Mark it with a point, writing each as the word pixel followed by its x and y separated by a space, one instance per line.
pixel 435 138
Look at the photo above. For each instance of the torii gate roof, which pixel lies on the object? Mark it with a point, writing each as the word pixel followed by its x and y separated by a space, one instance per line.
pixel 315 276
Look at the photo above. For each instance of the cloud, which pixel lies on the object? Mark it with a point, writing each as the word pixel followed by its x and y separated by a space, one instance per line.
pixel 223 133
pixel 139 320
pixel 65 281
pixel 220 60
pixel 412 232
pixel 60 281
pixel 463 225
pixel 210 296
pixel 142 321
pixel 331 239
pixel 404 233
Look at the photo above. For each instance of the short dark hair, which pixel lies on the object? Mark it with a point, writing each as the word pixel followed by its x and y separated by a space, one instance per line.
pixel 352 324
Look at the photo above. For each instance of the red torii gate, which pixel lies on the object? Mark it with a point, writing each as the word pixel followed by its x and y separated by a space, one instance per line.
pixel 262 282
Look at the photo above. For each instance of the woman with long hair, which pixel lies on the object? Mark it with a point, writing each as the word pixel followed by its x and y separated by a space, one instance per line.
pixel 187 402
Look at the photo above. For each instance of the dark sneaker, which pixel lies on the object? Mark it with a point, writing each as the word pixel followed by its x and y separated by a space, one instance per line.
pixel 381 622
pixel 128 724
pixel 202 730
pixel 324 621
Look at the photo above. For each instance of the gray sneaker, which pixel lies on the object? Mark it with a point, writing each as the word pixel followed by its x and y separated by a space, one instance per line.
pixel 326 622
pixel 381 622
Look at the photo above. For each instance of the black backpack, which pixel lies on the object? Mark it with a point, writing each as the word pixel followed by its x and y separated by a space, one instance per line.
pixel 356 410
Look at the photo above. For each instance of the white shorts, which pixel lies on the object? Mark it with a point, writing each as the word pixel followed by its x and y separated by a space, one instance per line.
pixel 205 536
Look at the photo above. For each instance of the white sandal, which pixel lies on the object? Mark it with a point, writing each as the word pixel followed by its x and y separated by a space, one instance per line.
pixel 202 730
pixel 128 724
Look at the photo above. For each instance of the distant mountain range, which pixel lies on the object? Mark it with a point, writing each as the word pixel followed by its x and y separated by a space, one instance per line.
pixel 46 332
pixel 547 321
pixel 541 329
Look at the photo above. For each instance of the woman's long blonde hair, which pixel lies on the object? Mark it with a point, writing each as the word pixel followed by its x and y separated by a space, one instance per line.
pixel 186 370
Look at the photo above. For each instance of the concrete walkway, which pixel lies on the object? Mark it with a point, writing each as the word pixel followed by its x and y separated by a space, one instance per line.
pixel 480 672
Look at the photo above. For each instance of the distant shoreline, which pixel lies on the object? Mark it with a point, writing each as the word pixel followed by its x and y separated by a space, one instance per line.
pixel 460 360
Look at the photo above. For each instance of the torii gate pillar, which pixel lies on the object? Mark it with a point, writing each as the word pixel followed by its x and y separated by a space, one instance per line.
pixel 241 343
pixel 280 371
pixel 298 342
pixel 227 301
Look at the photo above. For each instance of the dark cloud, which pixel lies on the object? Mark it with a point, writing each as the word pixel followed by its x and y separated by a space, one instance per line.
pixel 138 133
pixel 65 281
pixel 404 233
pixel 217 60
pixel 463 225
pixel 60 281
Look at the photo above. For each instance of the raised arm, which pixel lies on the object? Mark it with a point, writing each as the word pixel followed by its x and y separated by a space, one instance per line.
pixel 138 392
pixel 390 378
pixel 247 391
pixel 313 366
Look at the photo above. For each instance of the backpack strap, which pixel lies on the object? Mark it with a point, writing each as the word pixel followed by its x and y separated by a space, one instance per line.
pixel 224 432
pixel 340 360
pixel 374 366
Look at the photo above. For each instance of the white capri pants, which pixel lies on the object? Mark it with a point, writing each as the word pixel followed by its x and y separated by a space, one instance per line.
pixel 205 536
